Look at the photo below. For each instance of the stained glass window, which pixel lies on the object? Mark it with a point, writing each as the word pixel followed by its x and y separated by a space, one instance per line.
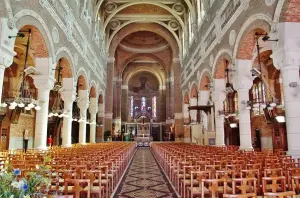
pixel 131 106
pixel 143 106
pixel 154 107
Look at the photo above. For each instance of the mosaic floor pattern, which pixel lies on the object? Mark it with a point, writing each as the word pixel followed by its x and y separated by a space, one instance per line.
pixel 144 178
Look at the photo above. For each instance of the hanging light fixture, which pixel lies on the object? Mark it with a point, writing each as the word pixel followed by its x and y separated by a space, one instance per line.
pixel 23 98
pixel 228 90
pixel 57 109
pixel 261 102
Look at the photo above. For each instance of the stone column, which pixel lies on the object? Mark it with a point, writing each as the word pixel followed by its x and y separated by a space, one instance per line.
pixel 44 82
pixel 6 48
pixel 83 105
pixel 242 83
pixel 286 57
pixel 93 109
pixel 218 97
pixel 117 103
pixel 109 94
pixel 68 96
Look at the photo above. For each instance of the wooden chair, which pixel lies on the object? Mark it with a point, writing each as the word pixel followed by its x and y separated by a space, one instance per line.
pixel 76 187
pixel 213 188
pixel 244 187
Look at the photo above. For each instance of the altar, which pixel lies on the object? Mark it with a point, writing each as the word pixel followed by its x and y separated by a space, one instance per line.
pixel 143 137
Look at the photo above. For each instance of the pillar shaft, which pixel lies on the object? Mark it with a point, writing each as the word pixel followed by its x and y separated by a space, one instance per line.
pixel 41 122
pixel 93 109
pixel 218 97
pixel 67 124
pixel 109 94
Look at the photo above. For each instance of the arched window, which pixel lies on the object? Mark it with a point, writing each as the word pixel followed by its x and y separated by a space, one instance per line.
pixel 143 105
pixel 154 107
pixel 131 106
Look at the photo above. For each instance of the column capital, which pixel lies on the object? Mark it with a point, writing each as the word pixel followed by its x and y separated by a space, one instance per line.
pixel 43 82
pixel 218 96
pixel 68 95
pixel 243 78
pixel 83 104
pixel 286 52
pixel 7 44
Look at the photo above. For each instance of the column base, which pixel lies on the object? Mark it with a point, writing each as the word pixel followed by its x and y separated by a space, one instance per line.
pixel 294 154
pixel 41 148
pixel 221 145
pixel 246 148
pixel 67 146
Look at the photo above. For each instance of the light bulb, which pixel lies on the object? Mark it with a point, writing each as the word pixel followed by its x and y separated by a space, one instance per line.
pixel 273 104
pixel 51 114
pixel 55 114
pixel 31 105
pixel 27 108
pixel 4 105
pixel 75 119
pixel 21 104
pixel 37 108
pixel 60 115
pixel 13 104
pixel 12 107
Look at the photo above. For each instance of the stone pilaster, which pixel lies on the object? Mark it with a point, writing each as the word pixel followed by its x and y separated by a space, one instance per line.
pixel 93 109
pixel 286 57
pixel 83 105
pixel 109 94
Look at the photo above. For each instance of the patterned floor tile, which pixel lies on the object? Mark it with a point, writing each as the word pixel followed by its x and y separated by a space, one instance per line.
pixel 144 179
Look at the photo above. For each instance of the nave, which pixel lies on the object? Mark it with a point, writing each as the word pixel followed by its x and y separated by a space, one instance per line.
pixel 164 170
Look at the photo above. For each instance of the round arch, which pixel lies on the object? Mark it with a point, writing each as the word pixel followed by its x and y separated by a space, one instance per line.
pixel 256 21
pixel 29 17
pixel 131 28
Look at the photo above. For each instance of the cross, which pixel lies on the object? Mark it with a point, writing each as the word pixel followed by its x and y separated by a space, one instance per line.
pixel 214 188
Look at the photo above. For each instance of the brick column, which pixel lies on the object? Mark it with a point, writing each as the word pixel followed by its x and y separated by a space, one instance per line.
pixel 286 56
pixel 177 97
pixel 218 97
pixel 109 94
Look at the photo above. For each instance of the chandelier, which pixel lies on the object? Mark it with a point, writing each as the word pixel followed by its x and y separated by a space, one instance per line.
pixel 57 108
pixel 23 98
pixel 261 103
pixel 228 90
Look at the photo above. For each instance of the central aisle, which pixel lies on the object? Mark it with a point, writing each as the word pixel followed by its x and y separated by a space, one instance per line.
pixel 144 178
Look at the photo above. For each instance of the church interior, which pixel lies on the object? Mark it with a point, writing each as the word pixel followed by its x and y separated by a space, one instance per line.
pixel 149 98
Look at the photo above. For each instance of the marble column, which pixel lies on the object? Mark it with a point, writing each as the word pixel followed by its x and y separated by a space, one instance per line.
pixel 218 97
pixel 286 57
pixel 68 96
pixel 242 83
pixel 109 95
pixel 83 105
pixel 93 109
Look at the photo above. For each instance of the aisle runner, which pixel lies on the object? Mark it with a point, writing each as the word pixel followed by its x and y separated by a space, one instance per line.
pixel 144 178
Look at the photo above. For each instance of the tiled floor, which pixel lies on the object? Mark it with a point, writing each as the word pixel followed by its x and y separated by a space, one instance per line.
pixel 144 178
